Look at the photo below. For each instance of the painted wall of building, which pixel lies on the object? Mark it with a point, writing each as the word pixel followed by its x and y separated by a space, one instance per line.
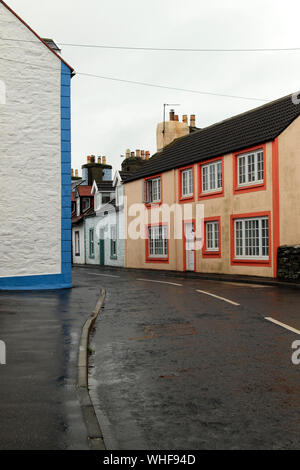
pixel 35 166
pixel 289 181
pixel 224 207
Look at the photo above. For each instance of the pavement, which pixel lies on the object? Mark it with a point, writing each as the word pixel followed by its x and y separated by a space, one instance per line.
pixel 175 368
pixel 39 406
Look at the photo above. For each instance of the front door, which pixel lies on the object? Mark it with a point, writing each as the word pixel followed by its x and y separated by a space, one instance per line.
pixel 102 248
pixel 189 240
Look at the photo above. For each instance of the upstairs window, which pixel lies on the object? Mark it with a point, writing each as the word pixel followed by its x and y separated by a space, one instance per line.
pixel 86 204
pixel 77 243
pixel 250 168
pixel 212 178
pixel 152 190
pixel 186 183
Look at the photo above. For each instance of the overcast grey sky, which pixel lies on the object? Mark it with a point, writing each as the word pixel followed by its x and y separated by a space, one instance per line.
pixel 108 117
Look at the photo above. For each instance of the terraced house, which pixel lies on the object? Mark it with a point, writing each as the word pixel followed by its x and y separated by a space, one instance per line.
pixel 245 171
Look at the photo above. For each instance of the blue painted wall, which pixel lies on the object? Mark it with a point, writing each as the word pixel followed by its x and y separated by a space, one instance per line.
pixel 64 279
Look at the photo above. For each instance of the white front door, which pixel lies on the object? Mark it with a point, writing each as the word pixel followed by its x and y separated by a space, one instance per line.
pixel 189 246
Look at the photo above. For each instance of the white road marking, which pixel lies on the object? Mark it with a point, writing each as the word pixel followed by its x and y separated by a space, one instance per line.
pixel 217 297
pixel 240 284
pixel 161 282
pixel 287 327
pixel 106 275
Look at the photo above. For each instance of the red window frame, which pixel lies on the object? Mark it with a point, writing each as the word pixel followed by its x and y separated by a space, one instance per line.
pixel 154 204
pixel 251 187
pixel 191 221
pixel 212 254
pixel 249 262
pixel 211 194
pixel 148 258
pixel 183 199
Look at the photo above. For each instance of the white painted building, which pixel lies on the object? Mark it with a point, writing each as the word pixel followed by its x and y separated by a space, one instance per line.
pixel 35 160
pixel 105 229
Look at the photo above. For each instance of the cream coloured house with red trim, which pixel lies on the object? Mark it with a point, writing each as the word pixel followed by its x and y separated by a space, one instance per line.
pixel 245 172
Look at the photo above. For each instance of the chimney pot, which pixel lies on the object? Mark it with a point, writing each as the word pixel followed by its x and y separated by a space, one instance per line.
pixel 193 120
pixel 92 158
pixel 143 154
pixel 176 117
pixel 72 172
pixel 99 160
pixel 103 160
pixel 185 118
pixel 138 153
pixel 172 114
pixel 88 159
pixel 76 173
pixel 127 153
pixel 132 154
pixel 147 155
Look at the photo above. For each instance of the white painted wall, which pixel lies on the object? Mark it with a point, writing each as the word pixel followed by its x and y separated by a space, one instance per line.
pixel 30 153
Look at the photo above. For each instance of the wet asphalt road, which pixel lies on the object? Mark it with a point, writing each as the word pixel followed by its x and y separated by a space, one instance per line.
pixel 177 369
pixel 39 407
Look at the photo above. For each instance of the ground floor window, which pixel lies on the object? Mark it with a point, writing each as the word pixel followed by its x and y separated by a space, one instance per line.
pixel 77 243
pixel 158 241
pixel 212 236
pixel 252 238
pixel 113 241
pixel 91 243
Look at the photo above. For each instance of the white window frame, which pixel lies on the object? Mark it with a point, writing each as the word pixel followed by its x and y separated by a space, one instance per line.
pixel 244 244
pixel 77 243
pixel 152 186
pixel 159 248
pixel 254 171
pixel 187 182
pixel 210 177
pixel 215 231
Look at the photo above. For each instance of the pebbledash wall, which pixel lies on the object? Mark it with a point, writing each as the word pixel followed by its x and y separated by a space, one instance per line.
pixel 35 162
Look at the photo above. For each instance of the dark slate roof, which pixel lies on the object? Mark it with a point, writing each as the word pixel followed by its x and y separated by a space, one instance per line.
pixel 125 174
pixel 251 128
pixel 106 186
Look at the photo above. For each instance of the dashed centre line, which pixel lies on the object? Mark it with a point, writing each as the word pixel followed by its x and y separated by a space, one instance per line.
pixel 287 327
pixel 218 297
pixel 161 282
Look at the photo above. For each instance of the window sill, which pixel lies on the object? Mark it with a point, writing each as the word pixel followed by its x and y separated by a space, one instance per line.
pixel 157 260
pixel 251 262
pixel 249 188
pixel 211 194
pixel 152 205
pixel 184 199
pixel 211 254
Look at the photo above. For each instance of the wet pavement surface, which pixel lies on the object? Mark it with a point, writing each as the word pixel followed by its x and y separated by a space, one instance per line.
pixel 177 369
pixel 39 407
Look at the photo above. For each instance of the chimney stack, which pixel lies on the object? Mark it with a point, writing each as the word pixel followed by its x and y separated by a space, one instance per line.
pixel 185 118
pixel 172 114
pixel 99 160
pixel 76 173
pixel 103 160
pixel 193 120
pixel 147 155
